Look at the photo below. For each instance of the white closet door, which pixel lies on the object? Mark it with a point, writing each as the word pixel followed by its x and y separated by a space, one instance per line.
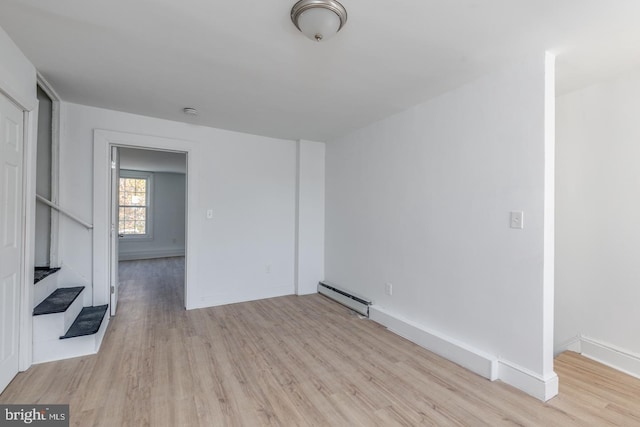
pixel 11 220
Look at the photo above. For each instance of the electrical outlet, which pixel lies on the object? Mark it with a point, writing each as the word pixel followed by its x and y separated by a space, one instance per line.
pixel 517 220
pixel 388 289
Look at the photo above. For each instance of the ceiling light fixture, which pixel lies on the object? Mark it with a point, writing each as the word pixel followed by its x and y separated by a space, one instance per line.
pixel 318 19
pixel 190 111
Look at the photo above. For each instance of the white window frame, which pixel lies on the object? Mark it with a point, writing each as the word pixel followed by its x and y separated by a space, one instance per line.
pixel 148 236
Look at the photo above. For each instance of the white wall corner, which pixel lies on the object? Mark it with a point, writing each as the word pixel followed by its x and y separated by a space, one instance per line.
pixel 548 282
pixel 611 355
pixel 542 388
pixel 310 220
pixel 472 359
pixel 296 255
pixel 574 344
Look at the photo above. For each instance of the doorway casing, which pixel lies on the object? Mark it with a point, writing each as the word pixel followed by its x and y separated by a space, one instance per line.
pixel 103 140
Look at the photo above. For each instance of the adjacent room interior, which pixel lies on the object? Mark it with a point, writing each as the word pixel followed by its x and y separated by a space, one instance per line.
pixel 151 213
pixel 320 212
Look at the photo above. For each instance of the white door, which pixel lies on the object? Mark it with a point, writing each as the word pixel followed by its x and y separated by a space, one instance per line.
pixel 11 195
pixel 115 190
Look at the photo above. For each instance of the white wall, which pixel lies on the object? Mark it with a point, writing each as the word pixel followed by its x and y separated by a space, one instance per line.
pixel 17 74
pixel 247 250
pixel 168 221
pixel 310 208
pixel 422 200
pixel 598 226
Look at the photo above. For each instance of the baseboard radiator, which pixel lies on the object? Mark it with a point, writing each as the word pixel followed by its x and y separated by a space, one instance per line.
pixel 348 299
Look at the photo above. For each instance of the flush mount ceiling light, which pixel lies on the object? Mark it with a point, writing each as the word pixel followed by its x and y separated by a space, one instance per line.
pixel 318 19
pixel 190 111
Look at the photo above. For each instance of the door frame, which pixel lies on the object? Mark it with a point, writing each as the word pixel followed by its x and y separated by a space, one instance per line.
pixel 103 140
pixel 114 233
pixel 27 233
pixel 54 247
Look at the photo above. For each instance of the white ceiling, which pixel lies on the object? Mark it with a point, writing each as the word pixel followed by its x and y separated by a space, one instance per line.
pixel 245 66
pixel 152 160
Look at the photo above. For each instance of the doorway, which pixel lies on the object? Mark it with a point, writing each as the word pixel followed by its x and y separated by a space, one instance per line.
pixel 150 207
pixel 106 212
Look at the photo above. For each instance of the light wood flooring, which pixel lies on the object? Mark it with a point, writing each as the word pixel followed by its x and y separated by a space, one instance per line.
pixel 292 361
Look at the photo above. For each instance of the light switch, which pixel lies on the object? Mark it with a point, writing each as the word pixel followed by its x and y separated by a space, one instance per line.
pixel 209 213
pixel 517 220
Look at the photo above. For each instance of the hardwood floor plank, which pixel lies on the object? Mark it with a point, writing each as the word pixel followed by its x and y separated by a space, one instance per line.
pixel 303 361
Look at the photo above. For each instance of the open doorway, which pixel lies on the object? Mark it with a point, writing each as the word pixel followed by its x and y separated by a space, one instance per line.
pixel 150 210
pixel 105 233
pixel 597 233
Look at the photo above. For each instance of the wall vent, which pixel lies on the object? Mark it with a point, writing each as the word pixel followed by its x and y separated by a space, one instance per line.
pixel 356 303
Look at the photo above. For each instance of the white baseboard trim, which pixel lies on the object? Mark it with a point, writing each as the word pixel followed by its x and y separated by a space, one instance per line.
pixel 475 360
pixel 103 330
pixel 57 349
pixel 163 253
pixel 472 359
pixel 610 355
pixel 528 381
pixel 236 297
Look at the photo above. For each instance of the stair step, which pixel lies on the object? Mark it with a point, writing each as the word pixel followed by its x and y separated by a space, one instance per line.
pixel 87 323
pixel 42 272
pixel 59 301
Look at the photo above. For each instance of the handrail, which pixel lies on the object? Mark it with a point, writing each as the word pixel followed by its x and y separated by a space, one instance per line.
pixel 61 210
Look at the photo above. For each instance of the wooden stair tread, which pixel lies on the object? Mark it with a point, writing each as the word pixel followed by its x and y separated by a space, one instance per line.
pixel 59 301
pixel 87 323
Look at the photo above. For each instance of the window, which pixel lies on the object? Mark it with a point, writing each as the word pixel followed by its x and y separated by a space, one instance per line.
pixel 134 214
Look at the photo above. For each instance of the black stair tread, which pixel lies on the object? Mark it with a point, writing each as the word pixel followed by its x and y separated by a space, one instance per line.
pixel 59 301
pixel 42 272
pixel 87 323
